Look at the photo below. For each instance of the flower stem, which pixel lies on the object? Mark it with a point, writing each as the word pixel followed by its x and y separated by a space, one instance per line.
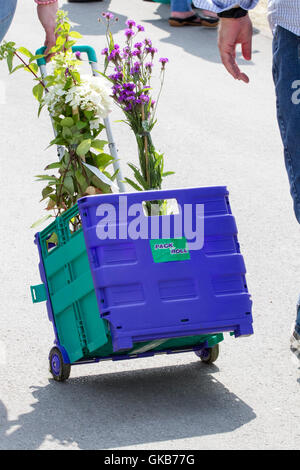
pixel 30 69
pixel 146 149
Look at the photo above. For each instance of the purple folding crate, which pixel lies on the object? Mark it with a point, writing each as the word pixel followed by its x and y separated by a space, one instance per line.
pixel 159 286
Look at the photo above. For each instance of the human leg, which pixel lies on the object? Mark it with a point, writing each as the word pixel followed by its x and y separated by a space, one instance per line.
pixel 286 73
pixel 7 11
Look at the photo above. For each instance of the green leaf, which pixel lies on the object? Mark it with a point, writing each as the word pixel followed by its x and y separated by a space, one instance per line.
pixel 53 165
pixel 25 51
pixel 38 92
pixel 46 191
pixel 168 173
pixel 46 178
pixel 9 60
pixel 139 177
pixel 111 42
pixel 75 34
pixel 81 180
pixel 68 184
pixel 81 125
pixel 133 184
pixel 84 147
pixel 67 133
pixel 88 114
pixel 67 122
pixel 102 160
pixel 98 144
pixel 40 221
pixel 18 67
pixel 69 44
pixel 32 68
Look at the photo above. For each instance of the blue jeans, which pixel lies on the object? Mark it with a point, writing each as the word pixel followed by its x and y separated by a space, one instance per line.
pixel 7 11
pixel 286 74
pixel 181 5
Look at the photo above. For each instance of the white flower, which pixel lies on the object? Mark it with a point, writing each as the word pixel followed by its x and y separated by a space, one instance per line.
pixel 93 94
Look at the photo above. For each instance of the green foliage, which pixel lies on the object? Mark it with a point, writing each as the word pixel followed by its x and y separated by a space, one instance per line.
pixel 79 139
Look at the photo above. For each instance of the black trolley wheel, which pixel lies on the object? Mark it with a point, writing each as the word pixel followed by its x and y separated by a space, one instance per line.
pixel 209 355
pixel 58 368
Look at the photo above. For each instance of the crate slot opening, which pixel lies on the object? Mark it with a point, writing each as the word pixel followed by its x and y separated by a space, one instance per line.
pixel 75 224
pixel 51 242
pixel 160 207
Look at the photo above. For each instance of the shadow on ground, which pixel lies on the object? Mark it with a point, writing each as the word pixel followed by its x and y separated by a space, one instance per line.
pixel 128 408
pixel 85 17
pixel 198 41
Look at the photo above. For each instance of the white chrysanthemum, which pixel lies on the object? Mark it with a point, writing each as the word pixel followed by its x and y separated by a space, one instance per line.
pixel 93 94
pixel 96 95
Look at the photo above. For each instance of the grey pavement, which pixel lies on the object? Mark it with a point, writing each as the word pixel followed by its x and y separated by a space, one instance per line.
pixel 213 131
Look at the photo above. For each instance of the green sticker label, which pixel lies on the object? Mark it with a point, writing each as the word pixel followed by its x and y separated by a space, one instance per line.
pixel 169 249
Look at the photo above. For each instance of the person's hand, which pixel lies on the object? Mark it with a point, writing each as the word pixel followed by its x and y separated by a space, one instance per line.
pixel 235 31
pixel 47 17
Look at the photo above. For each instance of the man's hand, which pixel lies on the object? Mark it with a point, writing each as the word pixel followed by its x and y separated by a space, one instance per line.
pixel 47 17
pixel 235 31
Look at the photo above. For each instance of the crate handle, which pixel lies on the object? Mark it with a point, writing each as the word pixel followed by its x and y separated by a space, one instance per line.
pixel 171 202
pixel 84 49
pixel 38 293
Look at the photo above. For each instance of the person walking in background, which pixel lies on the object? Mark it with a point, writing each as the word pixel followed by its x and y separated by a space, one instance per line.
pixel 182 14
pixel 236 28
pixel 46 11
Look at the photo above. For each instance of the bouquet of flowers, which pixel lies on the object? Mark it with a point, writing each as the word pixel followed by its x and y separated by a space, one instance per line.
pixel 130 70
pixel 77 104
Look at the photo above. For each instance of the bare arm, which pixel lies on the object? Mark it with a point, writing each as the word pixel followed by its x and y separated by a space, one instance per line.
pixel 232 32
pixel 47 17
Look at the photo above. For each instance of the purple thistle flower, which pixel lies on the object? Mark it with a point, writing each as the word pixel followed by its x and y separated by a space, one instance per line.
pixel 107 15
pixel 116 88
pixel 148 42
pixel 129 33
pixel 129 86
pixel 136 68
pixel 138 45
pixel 78 55
pixel 163 60
pixel 144 98
pixel 116 76
pixel 114 55
pixel 130 23
pixel 104 51
pixel 140 28
pixel 149 66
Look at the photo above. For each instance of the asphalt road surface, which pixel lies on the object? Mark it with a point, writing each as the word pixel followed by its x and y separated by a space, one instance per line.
pixel 213 131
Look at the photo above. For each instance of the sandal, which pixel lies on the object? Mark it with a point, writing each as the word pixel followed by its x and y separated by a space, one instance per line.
pixel 193 20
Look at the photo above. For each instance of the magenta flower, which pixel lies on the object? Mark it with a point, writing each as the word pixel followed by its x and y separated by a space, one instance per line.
pixel 129 33
pixel 140 28
pixel 151 50
pixel 130 23
pixel 116 76
pixel 163 61
pixel 149 66
pixel 107 15
pixel 136 68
